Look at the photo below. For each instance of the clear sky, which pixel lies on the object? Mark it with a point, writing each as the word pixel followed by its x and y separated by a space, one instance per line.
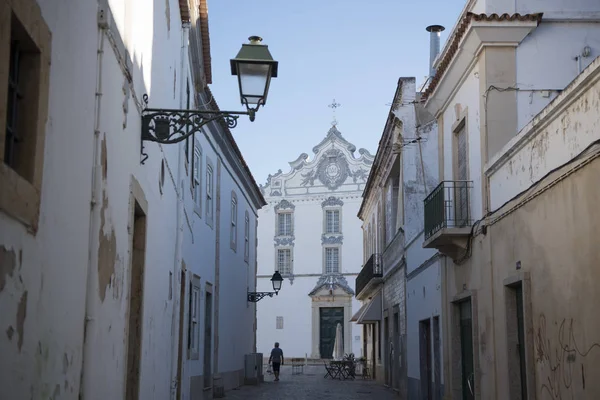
pixel 353 51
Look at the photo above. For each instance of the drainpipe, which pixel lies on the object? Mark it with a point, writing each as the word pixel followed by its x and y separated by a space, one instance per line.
pixel 178 237
pixel 95 210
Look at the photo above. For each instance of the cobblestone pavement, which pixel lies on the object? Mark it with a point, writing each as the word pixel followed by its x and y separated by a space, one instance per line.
pixel 311 385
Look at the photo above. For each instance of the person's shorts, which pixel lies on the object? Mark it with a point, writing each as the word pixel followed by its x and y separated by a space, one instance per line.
pixel 276 366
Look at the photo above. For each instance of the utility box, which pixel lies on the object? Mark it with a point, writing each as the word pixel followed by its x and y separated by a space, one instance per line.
pixel 253 369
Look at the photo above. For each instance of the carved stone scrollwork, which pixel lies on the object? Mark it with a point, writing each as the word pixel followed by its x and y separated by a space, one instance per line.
pixel 284 241
pixel 333 169
pixel 332 201
pixel 332 239
pixel 331 282
pixel 284 205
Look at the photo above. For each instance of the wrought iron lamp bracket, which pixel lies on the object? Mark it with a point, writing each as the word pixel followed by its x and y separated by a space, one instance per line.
pixel 170 126
pixel 254 297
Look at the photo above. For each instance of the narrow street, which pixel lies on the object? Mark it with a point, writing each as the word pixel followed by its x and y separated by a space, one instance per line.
pixel 311 385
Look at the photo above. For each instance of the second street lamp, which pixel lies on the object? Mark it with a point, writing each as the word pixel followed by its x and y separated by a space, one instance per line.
pixel 254 67
pixel 276 281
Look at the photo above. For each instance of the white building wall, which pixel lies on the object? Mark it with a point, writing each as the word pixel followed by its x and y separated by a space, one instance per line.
pixel 308 263
pixel 76 266
pixel 303 187
pixel 62 244
pixel 236 277
pixel 44 276
pixel 551 8
pixel 556 44
pixel 469 103
pixel 547 142
pixel 424 302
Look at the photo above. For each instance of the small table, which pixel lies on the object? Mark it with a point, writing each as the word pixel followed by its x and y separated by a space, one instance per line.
pixel 341 369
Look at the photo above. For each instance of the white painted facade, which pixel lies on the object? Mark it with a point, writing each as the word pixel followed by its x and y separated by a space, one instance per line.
pixel 66 284
pixel 406 170
pixel 423 270
pixel 332 180
pixel 500 83
pixel 567 38
pixel 546 143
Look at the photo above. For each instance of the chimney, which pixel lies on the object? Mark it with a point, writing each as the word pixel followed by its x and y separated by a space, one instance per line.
pixel 434 45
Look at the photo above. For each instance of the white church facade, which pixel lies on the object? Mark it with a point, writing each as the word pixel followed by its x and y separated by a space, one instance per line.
pixel 309 231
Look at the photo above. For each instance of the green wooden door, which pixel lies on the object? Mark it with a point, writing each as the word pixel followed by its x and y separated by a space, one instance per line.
pixel 466 347
pixel 329 318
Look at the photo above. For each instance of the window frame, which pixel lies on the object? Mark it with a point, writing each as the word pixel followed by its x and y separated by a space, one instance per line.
pixel 289 249
pixel 194 318
pixel 338 212
pixel 22 194
pixel 210 176
pixel 339 259
pixel 247 237
pixel 233 222
pixel 283 214
pixel 197 178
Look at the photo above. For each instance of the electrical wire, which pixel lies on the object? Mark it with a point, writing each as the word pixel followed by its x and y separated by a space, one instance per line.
pixel 516 197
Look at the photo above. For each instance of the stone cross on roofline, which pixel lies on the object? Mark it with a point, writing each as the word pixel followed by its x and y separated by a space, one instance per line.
pixel 334 105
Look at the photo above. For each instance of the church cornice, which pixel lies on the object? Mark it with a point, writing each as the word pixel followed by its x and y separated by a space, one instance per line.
pixel 333 165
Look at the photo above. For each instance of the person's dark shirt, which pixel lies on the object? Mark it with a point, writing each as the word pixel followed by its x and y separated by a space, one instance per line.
pixel 276 355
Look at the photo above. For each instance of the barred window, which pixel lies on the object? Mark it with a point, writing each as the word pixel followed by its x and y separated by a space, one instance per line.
pixel 332 221
pixel 332 260
pixel 284 224
pixel 284 261
pixel 279 323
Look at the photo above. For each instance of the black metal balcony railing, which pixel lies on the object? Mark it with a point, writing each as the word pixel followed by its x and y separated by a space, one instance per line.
pixel 371 269
pixel 447 206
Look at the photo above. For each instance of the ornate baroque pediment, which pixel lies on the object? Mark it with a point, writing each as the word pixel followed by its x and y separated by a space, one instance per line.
pixel 332 201
pixel 331 282
pixel 284 205
pixel 333 166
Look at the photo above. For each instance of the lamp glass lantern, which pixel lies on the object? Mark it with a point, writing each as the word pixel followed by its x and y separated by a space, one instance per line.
pixel 254 67
pixel 277 280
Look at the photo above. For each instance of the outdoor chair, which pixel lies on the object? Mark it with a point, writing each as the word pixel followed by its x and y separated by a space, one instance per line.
pixel 297 366
pixel 329 370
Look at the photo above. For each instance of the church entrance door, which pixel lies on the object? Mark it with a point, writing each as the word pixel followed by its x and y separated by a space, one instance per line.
pixel 329 318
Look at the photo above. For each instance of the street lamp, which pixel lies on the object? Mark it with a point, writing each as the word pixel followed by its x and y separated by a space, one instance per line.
pixel 254 67
pixel 276 281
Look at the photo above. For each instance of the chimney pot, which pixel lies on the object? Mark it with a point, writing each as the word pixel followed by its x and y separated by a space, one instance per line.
pixel 434 45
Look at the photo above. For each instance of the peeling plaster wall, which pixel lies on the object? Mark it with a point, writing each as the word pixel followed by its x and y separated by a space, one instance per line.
pixel 154 54
pixel 556 44
pixel 534 152
pixel 562 341
pixel 554 252
pixel 43 277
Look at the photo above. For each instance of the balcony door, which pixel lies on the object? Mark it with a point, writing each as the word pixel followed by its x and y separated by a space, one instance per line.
pixel 460 206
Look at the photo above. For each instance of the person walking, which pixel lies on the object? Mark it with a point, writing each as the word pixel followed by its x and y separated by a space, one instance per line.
pixel 276 360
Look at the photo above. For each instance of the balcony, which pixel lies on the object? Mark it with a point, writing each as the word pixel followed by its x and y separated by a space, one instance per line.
pixel 448 218
pixel 393 253
pixel 369 278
